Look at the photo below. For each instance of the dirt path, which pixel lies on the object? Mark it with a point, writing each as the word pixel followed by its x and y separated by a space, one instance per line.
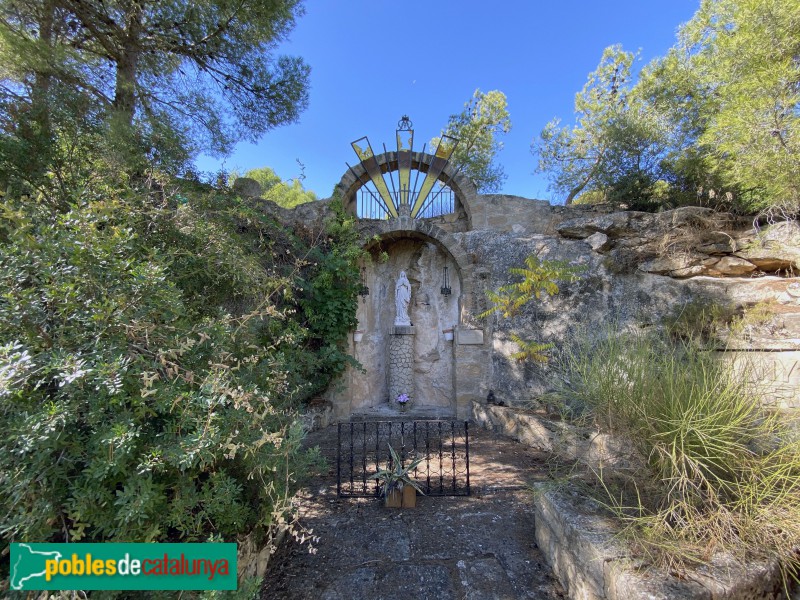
pixel 476 547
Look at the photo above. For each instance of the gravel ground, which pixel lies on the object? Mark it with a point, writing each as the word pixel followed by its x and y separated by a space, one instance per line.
pixel 477 547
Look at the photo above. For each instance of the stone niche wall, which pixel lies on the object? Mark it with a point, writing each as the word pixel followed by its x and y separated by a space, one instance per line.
pixel 640 267
pixel 430 312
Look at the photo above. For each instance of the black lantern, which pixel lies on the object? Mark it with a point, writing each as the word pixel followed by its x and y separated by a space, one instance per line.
pixel 445 283
pixel 364 291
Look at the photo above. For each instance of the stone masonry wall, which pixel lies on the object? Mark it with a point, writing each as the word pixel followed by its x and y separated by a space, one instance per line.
pixel 640 268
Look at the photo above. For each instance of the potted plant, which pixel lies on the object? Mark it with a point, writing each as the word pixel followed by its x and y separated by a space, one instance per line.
pixel 398 488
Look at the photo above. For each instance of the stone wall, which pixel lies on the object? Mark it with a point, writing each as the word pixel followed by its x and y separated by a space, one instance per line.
pixel 640 268
pixel 583 546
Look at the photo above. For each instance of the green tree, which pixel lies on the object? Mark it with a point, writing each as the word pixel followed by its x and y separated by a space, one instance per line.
pixel 716 120
pixel 265 176
pixel 477 127
pixel 675 95
pixel 287 194
pixel 201 72
pixel 174 344
pixel 614 146
pixel 169 327
pixel 744 54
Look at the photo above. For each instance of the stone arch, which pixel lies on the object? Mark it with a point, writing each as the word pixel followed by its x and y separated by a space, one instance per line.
pixel 355 177
pixel 406 227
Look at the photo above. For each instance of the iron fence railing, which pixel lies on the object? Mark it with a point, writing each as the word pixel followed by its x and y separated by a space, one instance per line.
pixel 363 449
pixel 370 205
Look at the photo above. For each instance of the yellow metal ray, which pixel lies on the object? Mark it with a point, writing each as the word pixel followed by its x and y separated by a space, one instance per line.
pixel 405 145
pixel 444 151
pixel 363 150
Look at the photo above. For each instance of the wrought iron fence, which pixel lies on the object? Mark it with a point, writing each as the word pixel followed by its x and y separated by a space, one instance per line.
pixel 363 449
pixel 370 205
pixel 438 203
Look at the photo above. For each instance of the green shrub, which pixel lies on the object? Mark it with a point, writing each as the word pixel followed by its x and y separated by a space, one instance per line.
pixel 720 473
pixel 539 277
pixel 152 361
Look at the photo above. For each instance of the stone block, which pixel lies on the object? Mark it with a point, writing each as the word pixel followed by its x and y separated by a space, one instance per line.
pixel 777 375
pixel 664 265
pixel 599 242
pixel 528 431
pixel 613 225
pixel 403 330
pixel 247 187
pixel 596 450
pixel 623 583
pixel 499 222
pixel 590 560
pixel 733 266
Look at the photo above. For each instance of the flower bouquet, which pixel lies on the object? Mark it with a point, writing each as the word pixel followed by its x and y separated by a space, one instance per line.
pixel 402 401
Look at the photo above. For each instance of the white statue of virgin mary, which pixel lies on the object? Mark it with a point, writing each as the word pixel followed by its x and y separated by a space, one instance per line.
pixel 402 298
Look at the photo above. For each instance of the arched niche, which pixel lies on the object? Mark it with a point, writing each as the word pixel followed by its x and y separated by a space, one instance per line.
pixel 423 258
pixel 380 233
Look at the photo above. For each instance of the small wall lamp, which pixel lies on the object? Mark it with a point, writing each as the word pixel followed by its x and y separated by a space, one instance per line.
pixel 364 291
pixel 446 291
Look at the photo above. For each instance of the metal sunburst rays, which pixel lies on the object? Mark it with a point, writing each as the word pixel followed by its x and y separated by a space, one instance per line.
pixel 410 198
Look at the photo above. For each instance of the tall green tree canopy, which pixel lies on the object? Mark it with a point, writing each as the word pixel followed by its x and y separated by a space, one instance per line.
pixel 715 120
pixel 157 334
pixel 746 57
pixel 580 157
pixel 266 177
pixel 287 194
pixel 204 72
pixel 484 118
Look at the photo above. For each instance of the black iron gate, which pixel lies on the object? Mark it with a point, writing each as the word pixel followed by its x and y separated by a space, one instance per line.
pixel 363 449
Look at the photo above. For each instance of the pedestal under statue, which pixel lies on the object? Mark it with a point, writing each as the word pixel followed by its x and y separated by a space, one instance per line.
pixel 401 346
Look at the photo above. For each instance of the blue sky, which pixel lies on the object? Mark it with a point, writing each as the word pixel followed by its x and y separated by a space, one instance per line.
pixel 373 61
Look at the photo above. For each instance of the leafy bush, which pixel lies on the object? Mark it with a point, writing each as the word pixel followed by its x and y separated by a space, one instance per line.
pixel 153 356
pixel 721 473
pixel 538 277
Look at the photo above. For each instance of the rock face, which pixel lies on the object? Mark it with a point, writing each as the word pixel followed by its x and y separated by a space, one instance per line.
pixel 774 248
pixel 246 187
pixel 640 268
pixel 688 242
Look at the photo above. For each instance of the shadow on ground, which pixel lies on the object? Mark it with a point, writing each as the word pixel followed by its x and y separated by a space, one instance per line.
pixel 476 547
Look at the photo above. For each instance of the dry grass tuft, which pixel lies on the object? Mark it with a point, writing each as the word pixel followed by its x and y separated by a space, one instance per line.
pixel 720 472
